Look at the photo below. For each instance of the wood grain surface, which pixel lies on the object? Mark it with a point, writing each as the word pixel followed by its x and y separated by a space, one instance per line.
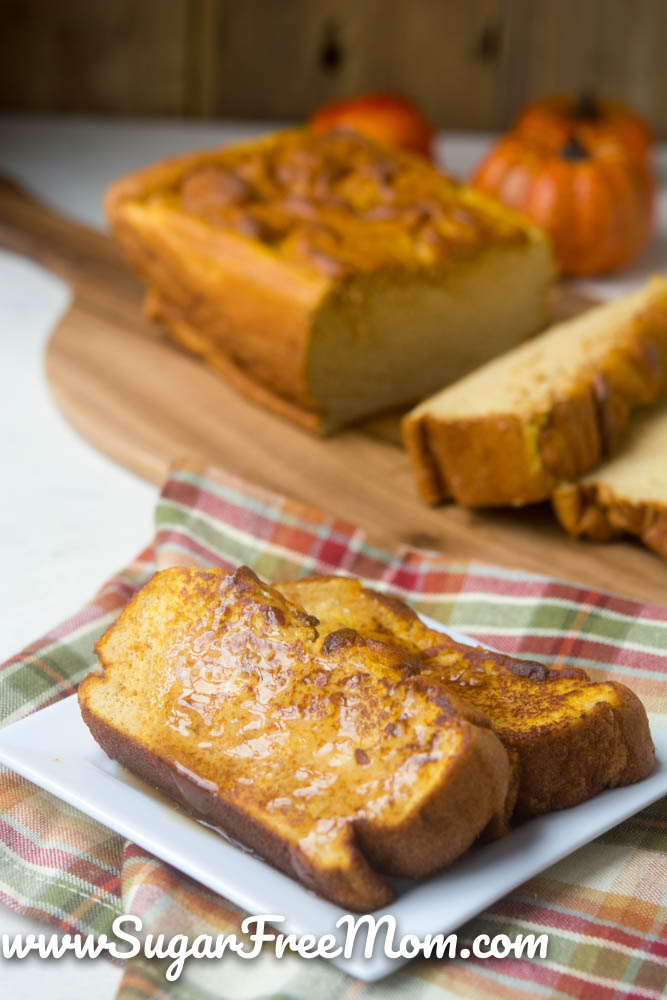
pixel 143 402
pixel 471 64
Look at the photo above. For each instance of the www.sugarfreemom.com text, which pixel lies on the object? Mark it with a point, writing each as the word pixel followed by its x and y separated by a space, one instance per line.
pixel 257 931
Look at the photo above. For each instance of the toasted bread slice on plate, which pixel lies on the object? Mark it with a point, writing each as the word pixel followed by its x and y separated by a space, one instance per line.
pixel 572 737
pixel 333 753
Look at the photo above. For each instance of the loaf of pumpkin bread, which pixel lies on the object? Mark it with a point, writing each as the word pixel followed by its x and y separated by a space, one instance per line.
pixel 547 411
pixel 326 277
pixel 325 751
pixel 627 494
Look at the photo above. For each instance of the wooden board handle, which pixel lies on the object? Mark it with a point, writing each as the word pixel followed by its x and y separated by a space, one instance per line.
pixel 87 260
pixel 30 228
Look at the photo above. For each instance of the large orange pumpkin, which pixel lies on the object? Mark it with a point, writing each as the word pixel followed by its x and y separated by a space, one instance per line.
pixel 390 119
pixel 555 121
pixel 595 202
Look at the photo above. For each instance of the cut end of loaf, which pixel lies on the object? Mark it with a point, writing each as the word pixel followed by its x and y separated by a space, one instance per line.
pixel 380 343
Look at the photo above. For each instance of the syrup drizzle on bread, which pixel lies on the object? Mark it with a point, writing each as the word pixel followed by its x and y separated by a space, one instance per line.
pixel 324 751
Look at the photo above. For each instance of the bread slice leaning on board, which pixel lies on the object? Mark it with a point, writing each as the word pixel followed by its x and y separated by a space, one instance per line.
pixel 326 752
pixel 546 412
pixel 627 494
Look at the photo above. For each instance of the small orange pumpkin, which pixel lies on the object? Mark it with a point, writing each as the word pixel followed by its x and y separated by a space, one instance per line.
pixel 555 121
pixel 595 202
pixel 390 119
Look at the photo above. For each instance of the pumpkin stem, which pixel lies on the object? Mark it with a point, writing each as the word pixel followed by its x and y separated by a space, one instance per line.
pixel 587 106
pixel 574 150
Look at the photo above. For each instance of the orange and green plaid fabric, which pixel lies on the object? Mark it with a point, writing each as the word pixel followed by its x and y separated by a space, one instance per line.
pixel 603 907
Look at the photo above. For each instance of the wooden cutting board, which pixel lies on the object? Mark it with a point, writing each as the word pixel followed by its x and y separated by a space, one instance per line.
pixel 144 402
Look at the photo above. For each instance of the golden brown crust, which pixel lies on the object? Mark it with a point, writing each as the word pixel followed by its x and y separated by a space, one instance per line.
pixel 427 469
pixel 561 762
pixel 563 765
pixel 328 754
pixel 195 340
pixel 359 888
pixel 333 204
pixel 571 737
pixel 223 296
pixel 412 850
pixel 592 510
pixel 509 460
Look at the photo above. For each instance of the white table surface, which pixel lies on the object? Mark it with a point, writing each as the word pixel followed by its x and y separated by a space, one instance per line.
pixel 68 515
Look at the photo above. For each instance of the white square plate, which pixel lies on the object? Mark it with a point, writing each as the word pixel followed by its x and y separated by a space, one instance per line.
pixel 54 749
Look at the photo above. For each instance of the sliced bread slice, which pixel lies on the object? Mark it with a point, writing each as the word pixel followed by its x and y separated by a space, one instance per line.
pixel 547 411
pixel 572 737
pixel 626 495
pixel 327 753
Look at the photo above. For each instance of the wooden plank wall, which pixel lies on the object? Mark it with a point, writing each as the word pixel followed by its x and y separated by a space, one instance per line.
pixel 470 63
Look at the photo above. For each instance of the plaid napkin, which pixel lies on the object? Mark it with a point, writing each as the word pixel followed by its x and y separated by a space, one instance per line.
pixel 603 907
